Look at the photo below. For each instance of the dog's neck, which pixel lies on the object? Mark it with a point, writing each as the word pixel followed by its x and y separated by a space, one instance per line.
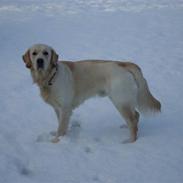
pixel 52 75
pixel 47 79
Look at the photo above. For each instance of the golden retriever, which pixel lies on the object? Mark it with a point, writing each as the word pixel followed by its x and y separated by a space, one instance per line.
pixel 65 85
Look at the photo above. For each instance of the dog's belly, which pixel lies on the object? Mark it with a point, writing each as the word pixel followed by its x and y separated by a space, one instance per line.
pixel 88 87
pixel 104 80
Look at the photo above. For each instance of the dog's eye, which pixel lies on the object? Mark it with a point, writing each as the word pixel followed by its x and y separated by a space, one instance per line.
pixel 45 53
pixel 34 53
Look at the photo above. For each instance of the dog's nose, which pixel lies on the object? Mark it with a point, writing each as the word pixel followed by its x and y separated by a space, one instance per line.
pixel 40 63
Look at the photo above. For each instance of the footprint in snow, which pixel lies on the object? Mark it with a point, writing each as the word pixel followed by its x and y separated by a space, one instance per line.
pixel 124 126
pixel 96 178
pixel 44 137
pixel 97 139
pixel 88 150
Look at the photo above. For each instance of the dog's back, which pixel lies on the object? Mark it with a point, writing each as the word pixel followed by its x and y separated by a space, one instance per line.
pixel 98 76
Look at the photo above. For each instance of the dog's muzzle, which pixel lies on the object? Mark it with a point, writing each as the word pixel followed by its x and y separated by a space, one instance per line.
pixel 40 63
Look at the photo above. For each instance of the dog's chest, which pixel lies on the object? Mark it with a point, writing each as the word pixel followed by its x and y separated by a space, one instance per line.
pixel 60 93
pixel 48 95
pixel 53 96
pixel 45 93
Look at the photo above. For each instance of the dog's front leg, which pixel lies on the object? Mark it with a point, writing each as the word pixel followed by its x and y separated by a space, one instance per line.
pixel 63 116
pixel 63 122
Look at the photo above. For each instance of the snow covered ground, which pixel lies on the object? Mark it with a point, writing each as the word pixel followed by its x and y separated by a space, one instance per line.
pixel 148 32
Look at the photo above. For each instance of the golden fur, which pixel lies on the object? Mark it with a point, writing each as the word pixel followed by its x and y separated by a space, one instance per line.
pixel 65 85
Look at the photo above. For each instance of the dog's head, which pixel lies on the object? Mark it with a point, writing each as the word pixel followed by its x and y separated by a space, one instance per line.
pixel 40 58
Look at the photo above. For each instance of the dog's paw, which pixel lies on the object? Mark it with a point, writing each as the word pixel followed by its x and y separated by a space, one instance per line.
pixel 55 140
pixel 48 137
pixel 130 140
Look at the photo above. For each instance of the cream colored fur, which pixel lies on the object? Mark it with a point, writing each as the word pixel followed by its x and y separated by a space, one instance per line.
pixel 74 82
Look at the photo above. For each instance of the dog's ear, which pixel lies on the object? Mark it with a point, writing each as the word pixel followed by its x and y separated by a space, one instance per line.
pixel 27 60
pixel 54 57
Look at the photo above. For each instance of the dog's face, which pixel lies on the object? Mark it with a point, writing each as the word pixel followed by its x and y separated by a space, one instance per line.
pixel 40 57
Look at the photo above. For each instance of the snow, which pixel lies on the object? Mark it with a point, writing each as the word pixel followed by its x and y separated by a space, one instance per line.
pixel 147 32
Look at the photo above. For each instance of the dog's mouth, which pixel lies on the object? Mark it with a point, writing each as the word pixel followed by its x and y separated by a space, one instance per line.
pixel 40 64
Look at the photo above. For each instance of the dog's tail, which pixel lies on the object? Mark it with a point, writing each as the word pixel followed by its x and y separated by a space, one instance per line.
pixel 145 100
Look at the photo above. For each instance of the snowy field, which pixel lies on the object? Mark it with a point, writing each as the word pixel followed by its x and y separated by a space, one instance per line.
pixel 149 32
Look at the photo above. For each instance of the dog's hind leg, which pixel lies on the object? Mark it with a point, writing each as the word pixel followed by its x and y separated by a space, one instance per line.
pixel 131 117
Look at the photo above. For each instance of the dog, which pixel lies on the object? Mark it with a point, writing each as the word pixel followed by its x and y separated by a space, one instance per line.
pixel 65 85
